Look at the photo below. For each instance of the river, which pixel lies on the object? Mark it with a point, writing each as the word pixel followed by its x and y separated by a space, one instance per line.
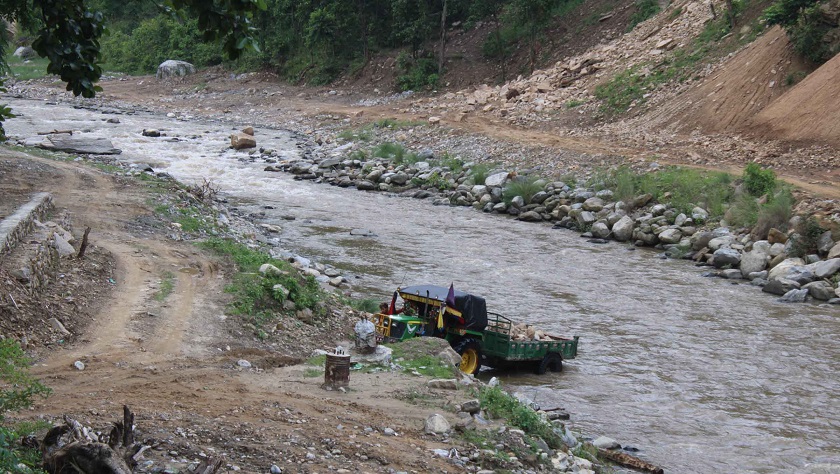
pixel 702 375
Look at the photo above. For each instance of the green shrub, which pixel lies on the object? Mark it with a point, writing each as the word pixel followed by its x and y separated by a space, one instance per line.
pixel 759 181
pixel 625 184
pixel 644 9
pixel 479 173
pixel 806 238
pixel 804 25
pixel 743 212
pixel 525 186
pixel 500 404
pixel 686 188
pixel 417 73
pixel 394 152
pixel 19 388
pixel 774 214
pixel 156 40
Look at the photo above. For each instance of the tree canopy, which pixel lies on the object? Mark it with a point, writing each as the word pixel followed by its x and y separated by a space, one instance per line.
pixel 68 32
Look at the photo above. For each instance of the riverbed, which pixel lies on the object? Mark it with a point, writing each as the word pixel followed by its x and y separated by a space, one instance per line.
pixel 701 374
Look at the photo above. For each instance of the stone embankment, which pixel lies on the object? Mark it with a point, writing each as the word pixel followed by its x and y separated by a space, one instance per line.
pixel 778 264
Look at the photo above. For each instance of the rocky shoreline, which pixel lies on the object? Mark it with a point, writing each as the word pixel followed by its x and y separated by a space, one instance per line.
pixel 771 264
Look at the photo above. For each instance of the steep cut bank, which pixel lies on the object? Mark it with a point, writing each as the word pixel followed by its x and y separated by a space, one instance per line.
pixel 807 112
pixel 728 100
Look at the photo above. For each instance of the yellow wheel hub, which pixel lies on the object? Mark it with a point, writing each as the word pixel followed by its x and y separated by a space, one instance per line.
pixel 469 361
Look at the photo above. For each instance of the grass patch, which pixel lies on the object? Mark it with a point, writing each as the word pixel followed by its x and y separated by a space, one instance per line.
pixel 167 284
pixel 359 134
pixel 368 305
pixel 478 173
pixel 525 186
pixel 311 372
pixel 394 152
pixel 571 104
pixel 318 360
pixel 24 70
pixel 257 298
pixel 430 366
pixel 500 404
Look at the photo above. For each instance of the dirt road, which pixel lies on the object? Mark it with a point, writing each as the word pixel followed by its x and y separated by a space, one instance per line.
pixel 170 360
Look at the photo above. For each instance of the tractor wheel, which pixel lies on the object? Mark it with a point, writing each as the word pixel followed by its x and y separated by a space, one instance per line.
pixel 470 351
pixel 552 361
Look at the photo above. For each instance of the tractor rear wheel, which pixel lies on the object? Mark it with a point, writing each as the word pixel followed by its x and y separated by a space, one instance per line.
pixel 470 351
pixel 552 361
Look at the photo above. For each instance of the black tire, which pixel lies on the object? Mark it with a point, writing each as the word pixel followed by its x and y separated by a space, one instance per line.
pixel 552 361
pixel 470 346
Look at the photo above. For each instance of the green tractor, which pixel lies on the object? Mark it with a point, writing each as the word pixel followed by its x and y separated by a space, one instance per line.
pixel 481 338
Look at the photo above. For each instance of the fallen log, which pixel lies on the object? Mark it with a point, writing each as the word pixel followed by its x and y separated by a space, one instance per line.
pixel 56 132
pixel 626 460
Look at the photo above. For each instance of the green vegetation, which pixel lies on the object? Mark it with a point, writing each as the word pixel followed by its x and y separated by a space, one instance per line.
pixel 17 392
pixel 259 298
pixel 368 305
pixel 806 238
pixel 311 372
pixel 644 9
pixel 571 104
pixel 416 361
pixel 805 25
pixel 500 404
pixel 167 284
pixel 417 73
pixel 394 152
pixel 525 186
pixel 22 69
pixel 317 361
pixel 759 181
pixel 479 173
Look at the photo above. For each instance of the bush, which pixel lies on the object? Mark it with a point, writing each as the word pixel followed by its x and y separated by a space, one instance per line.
pixel 759 181
pixel 804 25
pixel 774 214
pixel 479 173
pixel 525 186
pixel 806 238
pixel 417 74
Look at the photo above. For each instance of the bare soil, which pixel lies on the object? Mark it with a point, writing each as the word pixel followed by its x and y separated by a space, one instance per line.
pixel 174 360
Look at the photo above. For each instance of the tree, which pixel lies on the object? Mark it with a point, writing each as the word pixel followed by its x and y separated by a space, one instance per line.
pixel 68 33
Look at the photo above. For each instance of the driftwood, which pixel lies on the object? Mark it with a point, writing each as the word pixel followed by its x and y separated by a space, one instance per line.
pixel 627 460
pixel 73 449
pixel 56 132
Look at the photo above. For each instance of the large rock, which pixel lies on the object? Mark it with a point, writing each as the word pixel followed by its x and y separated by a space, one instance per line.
pixel 825 243
pixel 240 141
pixel 173 68
pixel 752 262
pixel 825 268
pixel 835 251
pixel 726 257
pixel 585 218
pixel 670 236
pixel 600 230
pixel 496 180
pixel 25 52
pixel 700 240
pixel 784 268
pixel 530 216
pixel 593 204
pixel 775 236
pixel 71 144
pixel 623 229
pixel 721 242
pixel 794 296
pixel 437 424
pixel 604 442
pixel 780 286
pixel 699 214
pixel 62 246
pixel 821 290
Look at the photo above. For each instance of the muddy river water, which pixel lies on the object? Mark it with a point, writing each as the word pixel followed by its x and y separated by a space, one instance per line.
pixel 702 375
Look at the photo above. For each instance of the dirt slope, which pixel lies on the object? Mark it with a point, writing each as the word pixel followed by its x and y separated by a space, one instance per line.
pixel 730 98
pixel 808 111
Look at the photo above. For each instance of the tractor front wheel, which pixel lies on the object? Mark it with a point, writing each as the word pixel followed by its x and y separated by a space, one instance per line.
pixel 470 351
pixel 552 361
